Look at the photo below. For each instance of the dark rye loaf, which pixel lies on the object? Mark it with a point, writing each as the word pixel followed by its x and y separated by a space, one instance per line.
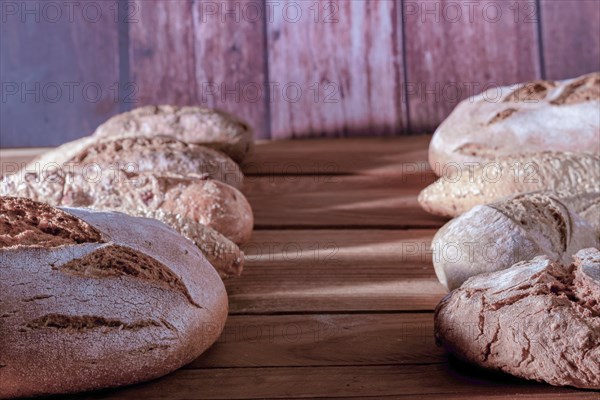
pixel 94 299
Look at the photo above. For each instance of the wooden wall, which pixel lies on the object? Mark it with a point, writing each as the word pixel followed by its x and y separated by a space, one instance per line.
pixel 291 68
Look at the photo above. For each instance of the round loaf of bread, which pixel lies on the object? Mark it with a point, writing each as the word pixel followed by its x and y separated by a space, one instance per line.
pixel 532 117
pixel 95 299
pixel 198 125
pixel 537 320
pixel 206 201
pixel 495 236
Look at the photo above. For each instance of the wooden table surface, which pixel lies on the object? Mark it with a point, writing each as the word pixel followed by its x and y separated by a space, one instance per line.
pixel 338 292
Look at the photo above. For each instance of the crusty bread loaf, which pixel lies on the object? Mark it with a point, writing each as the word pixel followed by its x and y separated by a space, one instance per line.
pixel 537 320
pixel 495 236
pixel 95 299
pixel 577 174
pixel 197 125
pixel 534 117
pixel 209 202
pixel 222 253
pixel 159 155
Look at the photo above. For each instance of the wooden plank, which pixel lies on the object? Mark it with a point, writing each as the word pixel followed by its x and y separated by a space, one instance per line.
pixel 54 89
pixel 570 37
pixel 230 55
pixel 339 201
pixel 336 68
pixel 323 340
pixel 161 52
pixel 336 270
pixel 186 53
pixel 457 49
pixel 373 156
pixel 430 381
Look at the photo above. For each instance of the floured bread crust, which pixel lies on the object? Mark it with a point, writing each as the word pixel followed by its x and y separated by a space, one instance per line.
pixel 127 301
pixel 197 125
pixel 568 174
pixel 533 117
pixel 495 236
pixel 206 201
pixel 537 320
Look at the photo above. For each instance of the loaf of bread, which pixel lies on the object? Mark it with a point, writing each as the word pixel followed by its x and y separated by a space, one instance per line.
pixel 159 155
pixel 94 299
pixel 537 320
pixel 222 253
pixel 576 174
pixel 495 236
pixel 533 117
pixel 197 125
pixel 209 202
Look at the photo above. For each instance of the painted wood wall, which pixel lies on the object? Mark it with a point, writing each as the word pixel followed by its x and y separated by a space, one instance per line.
pixel 291 68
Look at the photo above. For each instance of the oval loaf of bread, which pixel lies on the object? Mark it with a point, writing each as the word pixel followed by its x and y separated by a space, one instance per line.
pixel 222 253
pixel 209 202
pixel 160 155
pixel 537 320
pixel 197 125
pixel 495 236
pixel 548 171
pixel 95 299
pixel 533 117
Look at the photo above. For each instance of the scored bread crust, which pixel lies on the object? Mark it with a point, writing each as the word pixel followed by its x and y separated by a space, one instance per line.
pixel 495 236
pixel 576 174
pixel 206 201
pixel 189 124
pixel 537 320
pixel 158 154
pixel 132 302
pixel 533 117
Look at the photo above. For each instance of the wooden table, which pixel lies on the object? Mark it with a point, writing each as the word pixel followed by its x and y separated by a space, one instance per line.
pixel 338 292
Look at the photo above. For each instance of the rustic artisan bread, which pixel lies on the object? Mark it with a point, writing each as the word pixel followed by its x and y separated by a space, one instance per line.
pixel 222 253
pixel 534 117
pixel 197 125
pixel 94 299
pixel 159 155
pixel 209 202
pixel 576 174
pixel 537 320
pixel 495 236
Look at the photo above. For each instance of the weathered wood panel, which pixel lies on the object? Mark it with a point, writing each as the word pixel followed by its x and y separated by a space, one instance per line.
pixel 161 52
pixel 59 68
pixel 231 60
pixel 457 49
pixel 206 53
pixel 335 68
pixel 571 37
